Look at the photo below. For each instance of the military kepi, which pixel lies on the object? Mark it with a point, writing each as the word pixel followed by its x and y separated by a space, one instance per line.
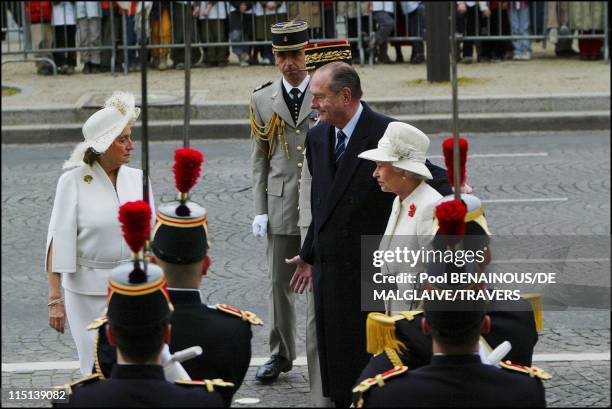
pixel 289 35
pixel 137 294
pixel 319 54
pixel 181 231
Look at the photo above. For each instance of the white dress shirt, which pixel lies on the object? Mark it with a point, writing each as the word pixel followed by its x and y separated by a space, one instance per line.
pixel 302 87
pixel 349 128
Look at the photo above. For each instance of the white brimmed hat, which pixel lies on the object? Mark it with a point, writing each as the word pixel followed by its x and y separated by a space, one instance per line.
pixel 101 129
pixel 404 146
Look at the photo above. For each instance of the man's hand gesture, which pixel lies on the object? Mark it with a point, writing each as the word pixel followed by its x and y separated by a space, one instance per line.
pixel 302 277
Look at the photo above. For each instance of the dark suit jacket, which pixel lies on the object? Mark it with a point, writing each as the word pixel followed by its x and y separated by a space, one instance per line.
pixel 225 341
pixel 131 386
pixel 458 381
pixel 346 203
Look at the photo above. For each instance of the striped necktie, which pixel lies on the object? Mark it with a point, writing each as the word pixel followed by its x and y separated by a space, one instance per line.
pixel 340 146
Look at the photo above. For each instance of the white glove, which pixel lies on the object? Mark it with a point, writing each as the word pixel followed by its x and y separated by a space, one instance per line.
pixel 173 370
pixel 260 225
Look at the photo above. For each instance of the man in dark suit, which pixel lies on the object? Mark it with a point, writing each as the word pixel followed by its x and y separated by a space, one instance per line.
pixel 180 245
pixel 456 376
pixel 346 203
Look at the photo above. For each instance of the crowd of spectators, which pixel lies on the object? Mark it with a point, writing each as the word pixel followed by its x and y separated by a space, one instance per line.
pixel 98 26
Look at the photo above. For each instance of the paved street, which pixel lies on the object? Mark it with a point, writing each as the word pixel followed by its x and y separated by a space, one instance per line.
pixel 538 184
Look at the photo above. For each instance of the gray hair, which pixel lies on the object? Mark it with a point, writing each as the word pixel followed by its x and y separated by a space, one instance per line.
pixel 408 174
pixel 343 75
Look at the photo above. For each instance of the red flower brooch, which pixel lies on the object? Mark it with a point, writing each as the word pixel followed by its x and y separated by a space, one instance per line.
pixel 412 210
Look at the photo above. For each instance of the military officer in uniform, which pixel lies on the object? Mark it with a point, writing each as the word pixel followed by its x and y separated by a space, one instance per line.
pixel 138 312
pixel 456 375
pixel 180 245
pixel 279 123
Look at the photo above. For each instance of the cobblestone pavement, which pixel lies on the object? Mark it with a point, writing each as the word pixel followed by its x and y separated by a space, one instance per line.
pixel 576 167
pixel 578 384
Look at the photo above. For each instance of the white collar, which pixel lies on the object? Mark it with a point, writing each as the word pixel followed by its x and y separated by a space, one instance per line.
pixel 301 87
pixel 350 126
pixel 187 289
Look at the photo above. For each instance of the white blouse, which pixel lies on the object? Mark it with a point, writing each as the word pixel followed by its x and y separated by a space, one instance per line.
pixel 84 227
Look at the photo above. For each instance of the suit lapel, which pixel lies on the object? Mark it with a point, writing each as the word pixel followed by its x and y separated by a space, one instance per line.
pixel 349 164
pixel 279 105
pixel 305 108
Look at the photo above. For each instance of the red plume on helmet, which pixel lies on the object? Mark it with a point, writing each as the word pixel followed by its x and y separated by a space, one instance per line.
pixel 187 164
pixel 447 148
pixel 451 218
pixel 135 219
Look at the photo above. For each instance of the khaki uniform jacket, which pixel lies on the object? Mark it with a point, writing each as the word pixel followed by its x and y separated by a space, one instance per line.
pixel 276 180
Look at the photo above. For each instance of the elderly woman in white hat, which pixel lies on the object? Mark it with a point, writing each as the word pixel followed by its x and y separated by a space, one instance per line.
pixel 400 168
pixel 84 241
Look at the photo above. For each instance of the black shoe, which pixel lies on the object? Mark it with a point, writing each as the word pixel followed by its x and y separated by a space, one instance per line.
pixel 269 371
pixel 86 68
pixel 418 59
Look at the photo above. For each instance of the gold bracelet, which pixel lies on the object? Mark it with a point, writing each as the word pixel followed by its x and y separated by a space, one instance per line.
pixel 56 301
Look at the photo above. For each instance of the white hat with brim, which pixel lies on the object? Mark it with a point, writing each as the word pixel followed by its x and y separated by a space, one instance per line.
pixel 404 146
pixel 101 128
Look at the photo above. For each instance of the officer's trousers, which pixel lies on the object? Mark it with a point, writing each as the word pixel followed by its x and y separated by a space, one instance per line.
pixel 281 300
pixel 81 310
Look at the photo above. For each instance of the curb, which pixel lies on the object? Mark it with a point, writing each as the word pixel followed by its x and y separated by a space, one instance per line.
pixel 240 128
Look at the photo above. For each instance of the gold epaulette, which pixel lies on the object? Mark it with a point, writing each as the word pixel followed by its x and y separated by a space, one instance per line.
pixel 208 383
pixel 409 315
pixel 379 380
pixel 97 323
pixel 79 382
pixel 533 371
pixel 262 86
pixel 245 315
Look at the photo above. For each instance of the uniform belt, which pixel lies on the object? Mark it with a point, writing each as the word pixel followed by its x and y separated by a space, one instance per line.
pixel 99 264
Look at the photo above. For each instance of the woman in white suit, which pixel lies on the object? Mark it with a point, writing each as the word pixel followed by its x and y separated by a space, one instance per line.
pixel 400 169
pixel 84 240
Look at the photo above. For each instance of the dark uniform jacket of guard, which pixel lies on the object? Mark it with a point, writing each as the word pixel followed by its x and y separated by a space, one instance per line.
pixel 457 381
pixel 140 386
pixel 510 321
pixel 346 203
pixel 224 338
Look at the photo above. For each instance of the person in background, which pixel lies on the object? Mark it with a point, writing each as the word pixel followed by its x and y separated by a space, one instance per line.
pixel 213 29
pixel 64 28
pixel 558 24
pixel 41 34
pixel 241 29
pixel 354 13
pixel 89 19
pixel 160 33
pixel 588 18
pixel 519 15
pixel 415 12
pixel 384 15
pixel 309 11
pixel 267 13
pixel 111 35
pixel 495 25
pixel 469 18
pixel 182 10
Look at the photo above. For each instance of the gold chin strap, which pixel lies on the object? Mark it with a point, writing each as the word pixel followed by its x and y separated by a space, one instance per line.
pixel 275 128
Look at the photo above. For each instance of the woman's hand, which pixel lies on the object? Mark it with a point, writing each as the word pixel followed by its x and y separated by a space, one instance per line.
pixel 57 316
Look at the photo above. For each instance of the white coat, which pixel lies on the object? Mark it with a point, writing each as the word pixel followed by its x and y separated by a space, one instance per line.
pixel 411 229
pixel 85 229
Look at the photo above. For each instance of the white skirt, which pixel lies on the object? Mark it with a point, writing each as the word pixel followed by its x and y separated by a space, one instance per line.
pixel 81 310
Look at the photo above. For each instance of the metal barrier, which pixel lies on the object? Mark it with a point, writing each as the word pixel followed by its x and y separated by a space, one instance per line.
pixel 222 26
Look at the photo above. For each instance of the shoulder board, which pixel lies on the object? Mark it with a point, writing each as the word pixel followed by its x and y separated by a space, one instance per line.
pixel 379 379
pixel 533 371
pixel 97 323
pixel 245 315
pixel 89 379
pixel 262 86
pixel 209 384
pixel 393 357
